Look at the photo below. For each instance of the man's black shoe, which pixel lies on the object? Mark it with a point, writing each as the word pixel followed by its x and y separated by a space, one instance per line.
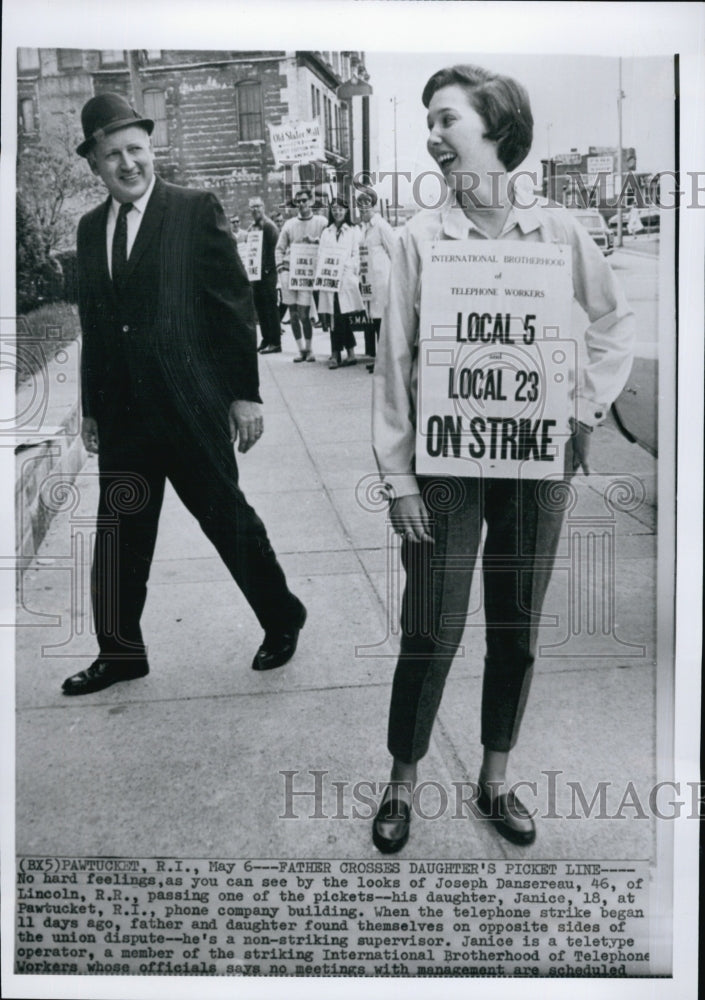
pixel 509 817
pixel 390 829
pixel 270 349
pixel 103 673
pixel 279 647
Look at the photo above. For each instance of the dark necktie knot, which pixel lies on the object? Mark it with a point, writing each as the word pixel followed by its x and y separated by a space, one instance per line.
pixel 119 255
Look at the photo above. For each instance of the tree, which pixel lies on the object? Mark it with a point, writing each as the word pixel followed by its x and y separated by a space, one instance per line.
pixel 55 185
pixel 38 275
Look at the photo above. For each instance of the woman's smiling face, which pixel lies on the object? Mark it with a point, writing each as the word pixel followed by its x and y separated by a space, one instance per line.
pixel 338 213
pixel 364 206
pixel 457 140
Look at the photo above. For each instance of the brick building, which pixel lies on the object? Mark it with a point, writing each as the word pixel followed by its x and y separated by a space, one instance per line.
pixel 211 111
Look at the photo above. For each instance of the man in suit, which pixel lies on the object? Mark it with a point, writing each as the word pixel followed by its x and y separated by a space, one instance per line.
pixel 169 382
pixel 265 290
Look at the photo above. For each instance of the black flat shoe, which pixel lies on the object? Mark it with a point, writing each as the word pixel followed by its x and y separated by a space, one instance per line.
pixel 103 673
pixel 279 647
pixel 505 811
pixel 270 349
pixel 395 814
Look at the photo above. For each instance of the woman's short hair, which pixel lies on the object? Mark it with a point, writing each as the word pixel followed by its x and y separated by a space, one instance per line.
pixel 502 103
pixel 366 194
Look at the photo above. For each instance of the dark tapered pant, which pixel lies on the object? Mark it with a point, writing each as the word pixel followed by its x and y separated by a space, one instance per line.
pixel 134 468
pixel 264 293
pixel 372 328
pixel 341 336
pixel 523 527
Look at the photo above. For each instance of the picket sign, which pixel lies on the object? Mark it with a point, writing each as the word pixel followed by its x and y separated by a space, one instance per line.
pixel 302 266
pixel 329 269
pixel 496 359
pixel 253 254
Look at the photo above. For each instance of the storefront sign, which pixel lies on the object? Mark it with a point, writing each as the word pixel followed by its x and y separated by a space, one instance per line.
pixel 496 359
pixel 296 142
pixel 600 164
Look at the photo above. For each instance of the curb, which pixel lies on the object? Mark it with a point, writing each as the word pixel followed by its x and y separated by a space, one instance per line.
pixel 43 472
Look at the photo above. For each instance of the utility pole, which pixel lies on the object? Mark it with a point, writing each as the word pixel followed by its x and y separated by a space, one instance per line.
pixel 620 98
pixel 396 174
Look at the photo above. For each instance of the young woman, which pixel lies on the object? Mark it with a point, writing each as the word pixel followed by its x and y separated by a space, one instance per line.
pixel 335 308
pixel 480 129
pixel 378 237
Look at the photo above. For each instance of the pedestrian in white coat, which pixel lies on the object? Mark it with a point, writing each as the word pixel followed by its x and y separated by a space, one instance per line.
pixel 378 237
pixel 336 308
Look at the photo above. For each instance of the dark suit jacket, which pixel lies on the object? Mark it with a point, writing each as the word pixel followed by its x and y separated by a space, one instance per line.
pixel 269 242
pixel 179 335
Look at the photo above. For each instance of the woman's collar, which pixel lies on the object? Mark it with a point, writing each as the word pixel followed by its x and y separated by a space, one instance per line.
pixel 456 224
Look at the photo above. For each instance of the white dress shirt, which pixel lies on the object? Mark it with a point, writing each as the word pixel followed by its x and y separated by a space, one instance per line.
pixel 134 221
pixel 609 338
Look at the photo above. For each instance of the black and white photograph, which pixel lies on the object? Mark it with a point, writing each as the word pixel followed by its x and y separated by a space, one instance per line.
pixel 352 429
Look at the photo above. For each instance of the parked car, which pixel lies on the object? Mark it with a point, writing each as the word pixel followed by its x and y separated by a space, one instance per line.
pixel 650 219
pixel 597 227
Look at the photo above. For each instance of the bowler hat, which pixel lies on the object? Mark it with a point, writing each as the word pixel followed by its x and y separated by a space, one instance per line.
pixel 107 113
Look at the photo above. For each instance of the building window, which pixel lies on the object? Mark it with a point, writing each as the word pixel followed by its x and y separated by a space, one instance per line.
pixel 315 102
pixel 69 58
pixel 327 107
pixel 27 115
pixel 155 108
pixel 249 111
pixel 27 59
pixel 112 57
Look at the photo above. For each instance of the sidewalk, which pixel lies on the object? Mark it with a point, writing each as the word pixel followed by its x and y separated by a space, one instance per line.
pixel 187 761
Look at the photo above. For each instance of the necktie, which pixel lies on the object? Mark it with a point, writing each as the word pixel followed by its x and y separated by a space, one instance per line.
pixel 119 256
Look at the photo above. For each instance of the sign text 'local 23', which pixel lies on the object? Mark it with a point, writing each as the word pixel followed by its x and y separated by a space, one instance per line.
pixel 496 359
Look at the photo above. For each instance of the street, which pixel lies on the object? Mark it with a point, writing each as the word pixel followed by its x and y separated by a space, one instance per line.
pixel 638 270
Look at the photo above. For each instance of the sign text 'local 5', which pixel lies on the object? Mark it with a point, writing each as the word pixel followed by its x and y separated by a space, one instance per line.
pixel 496 359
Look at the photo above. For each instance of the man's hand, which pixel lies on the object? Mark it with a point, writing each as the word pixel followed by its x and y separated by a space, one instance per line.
pixel 576 454
pixel 410 519
pixel 246 422
pixel 89 435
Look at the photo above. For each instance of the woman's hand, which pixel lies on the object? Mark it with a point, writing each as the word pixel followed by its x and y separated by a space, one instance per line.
pixel 410 519
pixel 578 448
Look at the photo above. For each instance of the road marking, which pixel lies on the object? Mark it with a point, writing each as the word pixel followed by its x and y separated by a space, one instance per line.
pixel 638 253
